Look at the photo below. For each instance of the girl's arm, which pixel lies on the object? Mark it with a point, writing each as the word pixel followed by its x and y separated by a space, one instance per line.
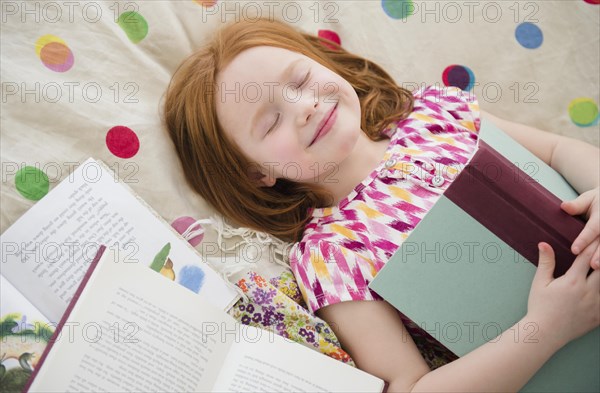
pixel 374 335
pixel 560 310
pixel 577 161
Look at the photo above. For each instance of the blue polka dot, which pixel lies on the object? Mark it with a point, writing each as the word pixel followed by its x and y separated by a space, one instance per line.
pixel 529 35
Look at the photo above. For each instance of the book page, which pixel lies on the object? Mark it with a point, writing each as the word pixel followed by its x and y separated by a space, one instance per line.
pixel 132 330
pixel 47 251
pixel 261 361
pixel 24 334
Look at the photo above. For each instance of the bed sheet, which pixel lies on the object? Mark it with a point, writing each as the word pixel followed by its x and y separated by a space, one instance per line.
pixel 83 79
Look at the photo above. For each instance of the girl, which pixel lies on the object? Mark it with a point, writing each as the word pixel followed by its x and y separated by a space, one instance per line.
pixel 292 135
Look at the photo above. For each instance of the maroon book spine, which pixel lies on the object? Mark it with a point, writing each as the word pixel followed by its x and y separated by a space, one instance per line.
pixel 65 316
pixel 515 207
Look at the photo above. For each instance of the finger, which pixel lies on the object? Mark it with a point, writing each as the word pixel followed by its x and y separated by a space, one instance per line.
pixel 578 205
pixel 545 268
pixel 581 265
pixel 596 259
pixel 588 234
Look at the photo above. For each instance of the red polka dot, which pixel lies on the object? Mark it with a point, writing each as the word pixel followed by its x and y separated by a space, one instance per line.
pixel 122 142
pixel 596 2
pixel 331 36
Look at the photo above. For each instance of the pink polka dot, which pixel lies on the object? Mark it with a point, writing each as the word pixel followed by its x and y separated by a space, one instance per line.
pixel 57 57
pixel 181 224
pixel 331 36
pixel 122 142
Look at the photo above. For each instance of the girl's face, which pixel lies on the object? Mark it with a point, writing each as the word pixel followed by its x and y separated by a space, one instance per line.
pixel 272 103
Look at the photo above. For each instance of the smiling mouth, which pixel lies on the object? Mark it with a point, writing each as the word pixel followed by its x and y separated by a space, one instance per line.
pixel 324 124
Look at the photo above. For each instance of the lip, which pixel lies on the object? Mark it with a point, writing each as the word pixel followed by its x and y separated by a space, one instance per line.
pixel 326 124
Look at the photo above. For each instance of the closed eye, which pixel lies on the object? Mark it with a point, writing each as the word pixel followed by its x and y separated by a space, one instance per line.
pixel 274 124
pixel 306 78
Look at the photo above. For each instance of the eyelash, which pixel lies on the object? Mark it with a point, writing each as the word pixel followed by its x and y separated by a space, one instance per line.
pixel 306 78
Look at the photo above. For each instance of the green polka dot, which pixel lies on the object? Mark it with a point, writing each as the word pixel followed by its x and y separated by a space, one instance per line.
pixel 134 25
pixel 398 9
pixel 32 183
pixel 583 111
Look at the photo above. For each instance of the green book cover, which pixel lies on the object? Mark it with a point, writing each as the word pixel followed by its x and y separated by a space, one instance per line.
pixel 465 286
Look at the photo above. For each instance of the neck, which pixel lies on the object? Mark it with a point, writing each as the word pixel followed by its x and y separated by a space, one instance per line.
pixel 363 159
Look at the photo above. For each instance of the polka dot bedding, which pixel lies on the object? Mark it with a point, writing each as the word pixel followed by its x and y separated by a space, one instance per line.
pixel 86 79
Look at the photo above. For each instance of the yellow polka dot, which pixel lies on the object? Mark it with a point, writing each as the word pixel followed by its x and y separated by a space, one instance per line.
pixel 46 39
pixel 400 193
pixel 343 231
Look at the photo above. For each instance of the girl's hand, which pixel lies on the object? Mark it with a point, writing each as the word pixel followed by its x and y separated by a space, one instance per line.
pixel 569 305
pixel 586 203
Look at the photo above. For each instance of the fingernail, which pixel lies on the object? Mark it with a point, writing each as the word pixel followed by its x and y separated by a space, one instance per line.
pixel 576 250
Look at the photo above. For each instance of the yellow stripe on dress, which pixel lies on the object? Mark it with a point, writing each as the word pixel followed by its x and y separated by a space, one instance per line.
pixel 372 269
pixel 469 125
pixel 400 193
pixel 450 169
pixel 327 211
pixel 341 230
pixel 409 151
pixel 318 263
pixel 371 213
pixel 425 118
pixel 443 139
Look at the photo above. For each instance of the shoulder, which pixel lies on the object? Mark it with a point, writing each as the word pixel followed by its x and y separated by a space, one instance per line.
pixel 451 104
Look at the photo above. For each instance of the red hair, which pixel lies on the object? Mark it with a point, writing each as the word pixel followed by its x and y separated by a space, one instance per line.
pixel 216 168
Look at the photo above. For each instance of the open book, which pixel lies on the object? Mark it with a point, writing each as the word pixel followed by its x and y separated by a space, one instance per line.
pixel 464 273
pixel 46 252
pixel 128 328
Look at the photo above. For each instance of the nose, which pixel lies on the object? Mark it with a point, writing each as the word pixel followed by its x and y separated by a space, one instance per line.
pixel 308 106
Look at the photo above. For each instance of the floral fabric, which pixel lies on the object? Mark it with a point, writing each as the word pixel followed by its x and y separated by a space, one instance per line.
pixel 276 305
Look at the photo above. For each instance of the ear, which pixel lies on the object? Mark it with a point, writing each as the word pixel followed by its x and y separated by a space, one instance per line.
pixel 260 178
pixel 267 181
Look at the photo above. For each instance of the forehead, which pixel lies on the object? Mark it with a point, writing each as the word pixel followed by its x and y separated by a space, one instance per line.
pixel 248 82
pixel 256 65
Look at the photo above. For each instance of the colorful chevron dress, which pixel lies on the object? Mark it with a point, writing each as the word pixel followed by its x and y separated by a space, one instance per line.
pixel 343 247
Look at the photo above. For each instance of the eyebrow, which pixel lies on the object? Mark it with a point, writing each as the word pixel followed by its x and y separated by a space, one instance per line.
pixel 284 75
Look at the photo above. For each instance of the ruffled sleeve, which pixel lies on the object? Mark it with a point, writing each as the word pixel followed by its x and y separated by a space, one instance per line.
pixel 328 273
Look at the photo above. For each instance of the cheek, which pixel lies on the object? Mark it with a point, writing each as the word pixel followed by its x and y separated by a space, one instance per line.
pixel 282 150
